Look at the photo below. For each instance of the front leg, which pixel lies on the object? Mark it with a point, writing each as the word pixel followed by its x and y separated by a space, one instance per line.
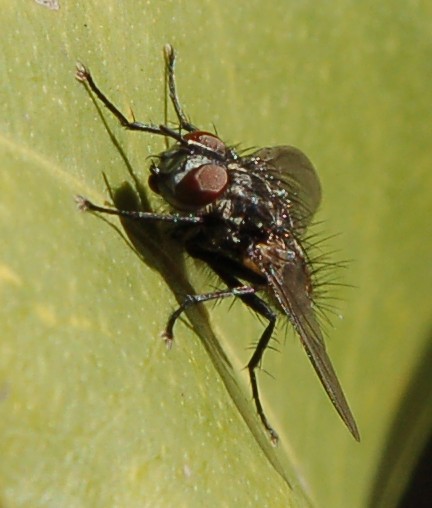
pixel 87 206
pixel 84 76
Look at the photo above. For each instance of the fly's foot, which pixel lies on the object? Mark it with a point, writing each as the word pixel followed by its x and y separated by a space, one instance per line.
pixel 82 74
pixel 168 338
pixel 83 204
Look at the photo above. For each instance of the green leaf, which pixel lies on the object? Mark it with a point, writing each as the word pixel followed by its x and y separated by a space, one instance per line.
pixel 94 410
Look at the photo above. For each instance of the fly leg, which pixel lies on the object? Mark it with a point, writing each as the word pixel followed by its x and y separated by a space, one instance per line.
pixel 226 268
pixel 87 206
pixel 170 58
pixel 83 75
pixel 194 299
pixel 261 308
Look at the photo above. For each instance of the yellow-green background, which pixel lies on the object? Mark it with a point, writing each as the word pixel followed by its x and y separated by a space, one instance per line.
pixel 93 410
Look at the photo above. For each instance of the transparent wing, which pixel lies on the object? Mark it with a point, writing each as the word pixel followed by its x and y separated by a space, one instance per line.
pixel 296 174
pixel 289 281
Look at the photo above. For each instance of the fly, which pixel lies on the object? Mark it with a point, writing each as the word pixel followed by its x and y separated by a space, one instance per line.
pixel 245 216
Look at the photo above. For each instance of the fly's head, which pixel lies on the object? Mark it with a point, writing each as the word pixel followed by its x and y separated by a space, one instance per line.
pixel 193 173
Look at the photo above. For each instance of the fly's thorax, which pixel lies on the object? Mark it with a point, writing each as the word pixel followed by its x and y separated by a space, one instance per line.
pixel 252 202
pixel 193 173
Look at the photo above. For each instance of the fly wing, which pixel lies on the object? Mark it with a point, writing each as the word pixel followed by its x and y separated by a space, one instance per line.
pixel 289 282
pixel 296 174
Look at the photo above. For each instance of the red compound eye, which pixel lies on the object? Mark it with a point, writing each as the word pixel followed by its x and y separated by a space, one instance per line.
pixel 202 185
pixel 207 139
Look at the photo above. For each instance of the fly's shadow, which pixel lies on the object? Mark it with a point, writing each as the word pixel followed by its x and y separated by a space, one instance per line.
pixel 164 254
pixel 154 247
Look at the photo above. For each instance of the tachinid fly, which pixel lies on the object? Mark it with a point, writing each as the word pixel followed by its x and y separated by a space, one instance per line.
pixel 245 217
